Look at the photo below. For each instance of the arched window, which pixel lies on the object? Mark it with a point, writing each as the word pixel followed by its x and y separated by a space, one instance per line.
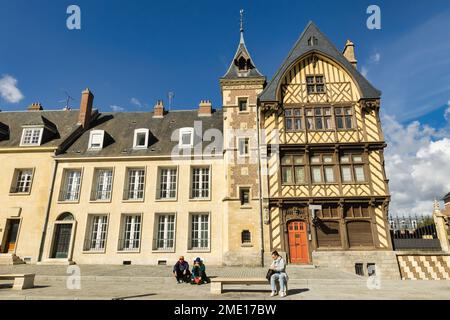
pixel 246 237
pixel 242 64
pixel 66 216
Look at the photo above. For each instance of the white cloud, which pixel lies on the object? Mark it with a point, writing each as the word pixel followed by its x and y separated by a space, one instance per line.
pixel 9 91
pixel 375 58
pixel 364 71
pixel 117 108
pixel 447 113
pixel 136 102
pixel 417 165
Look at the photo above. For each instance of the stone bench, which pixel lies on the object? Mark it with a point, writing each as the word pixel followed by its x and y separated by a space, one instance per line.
pixel 21 281
pixel 217 283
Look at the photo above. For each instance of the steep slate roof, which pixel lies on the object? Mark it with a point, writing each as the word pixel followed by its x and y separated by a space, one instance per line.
pixel 325 47
pixel 233 70
pixel 119 133
pixel 446 197
pixel 63 123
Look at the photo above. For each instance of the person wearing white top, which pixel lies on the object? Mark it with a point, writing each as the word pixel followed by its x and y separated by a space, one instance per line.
pixel 279 267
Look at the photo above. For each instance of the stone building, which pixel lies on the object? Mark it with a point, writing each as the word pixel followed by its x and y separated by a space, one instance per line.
pixel 294 164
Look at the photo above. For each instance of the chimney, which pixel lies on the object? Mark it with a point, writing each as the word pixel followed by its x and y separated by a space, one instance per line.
pixel 35 107
pixel 84 117
pixel 349 53
pixel 205 108
pixel 158 111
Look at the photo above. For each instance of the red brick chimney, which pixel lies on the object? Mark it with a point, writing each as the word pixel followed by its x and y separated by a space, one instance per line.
pixel 35 107
pixel 158 111
pixel 84 117
pixel 205 108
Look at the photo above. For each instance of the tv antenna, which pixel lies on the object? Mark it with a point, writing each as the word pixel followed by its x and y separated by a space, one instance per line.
pixel 67 100
pixel 171 96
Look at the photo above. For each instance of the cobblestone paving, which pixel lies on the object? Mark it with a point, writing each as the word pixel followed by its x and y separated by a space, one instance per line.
pixel 142 282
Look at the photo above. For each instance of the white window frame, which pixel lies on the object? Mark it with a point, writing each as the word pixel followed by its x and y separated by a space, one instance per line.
pixel 163 219
pixel 171 179
pixel 184 131
pixel 201 183
pixel 98 228
pixel 33 131
pixel 199 230
pixel 100 178
pixel 91 139
pixel 239 139
pixel 19 179
pixel 136 183
pixel 135 140
pixel 75 189
pixel 135 229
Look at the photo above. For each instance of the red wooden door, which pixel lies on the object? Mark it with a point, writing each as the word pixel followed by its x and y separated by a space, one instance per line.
pixel 298 242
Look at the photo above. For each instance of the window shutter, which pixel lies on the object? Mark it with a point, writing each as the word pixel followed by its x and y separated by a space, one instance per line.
pixel 328 235
pixel 359 234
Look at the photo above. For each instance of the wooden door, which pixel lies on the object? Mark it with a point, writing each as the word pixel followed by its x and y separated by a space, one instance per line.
pixel 298 242
pixel 12 232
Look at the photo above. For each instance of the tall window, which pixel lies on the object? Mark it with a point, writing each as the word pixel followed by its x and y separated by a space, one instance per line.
pixel 200 231
pixel 293 169
pixel 242 102
pixel 322 169
pixel 244 146
pixel 315 84
pixel 97 234
pixel 319 118
pixel 131 234
pixel 166 232
pixel 246 237
pixel 352 168
pixel 344 118
pixel 200 183
pixel 31 136
pixel 102 184
pixel 167 183
pixel 244 196
pixel 22 181
pixel 293 118
pixel 71 185
pixel 136 184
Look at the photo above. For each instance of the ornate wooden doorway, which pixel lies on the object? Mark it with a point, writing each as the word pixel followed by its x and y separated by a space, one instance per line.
pixel 298 242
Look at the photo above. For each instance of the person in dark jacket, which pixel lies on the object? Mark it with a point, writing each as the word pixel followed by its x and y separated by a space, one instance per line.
pixel 181 270
pixel 199 272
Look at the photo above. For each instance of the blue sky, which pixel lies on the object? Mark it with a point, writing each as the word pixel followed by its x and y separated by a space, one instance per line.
pixel 132 53
pixel 144 49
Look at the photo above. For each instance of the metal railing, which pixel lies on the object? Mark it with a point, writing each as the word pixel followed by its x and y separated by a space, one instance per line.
pixel 163 244
pixel 69 195
pixel 133 194
pixel 94 245
pixel 100 195
pixel 414 232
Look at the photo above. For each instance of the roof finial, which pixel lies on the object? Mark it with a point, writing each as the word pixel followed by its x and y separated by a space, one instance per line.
pixel 242 25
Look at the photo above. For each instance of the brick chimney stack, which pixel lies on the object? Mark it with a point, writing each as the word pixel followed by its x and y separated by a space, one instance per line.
pixel 158 111
pixel 35 107
pixel 205 108
pixel 349 53
pixel 84 117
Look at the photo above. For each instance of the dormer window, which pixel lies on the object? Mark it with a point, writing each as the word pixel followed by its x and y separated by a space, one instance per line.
pixel 313 41
pixel 242 64
pixel 31 136
pixel 186 138
pixel 141 138
pixel 96 139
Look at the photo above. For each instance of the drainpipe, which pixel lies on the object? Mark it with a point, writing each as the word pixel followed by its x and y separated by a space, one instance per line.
pixel 47 212
pixel 260 187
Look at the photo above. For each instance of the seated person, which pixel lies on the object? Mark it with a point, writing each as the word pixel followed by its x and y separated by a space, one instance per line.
pixel 181 270
pixel 199 272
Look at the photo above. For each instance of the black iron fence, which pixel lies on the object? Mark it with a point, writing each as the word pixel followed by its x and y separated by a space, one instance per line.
pixel 414 232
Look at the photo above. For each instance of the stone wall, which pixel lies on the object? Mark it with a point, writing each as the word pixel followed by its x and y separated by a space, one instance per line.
pixel 385 261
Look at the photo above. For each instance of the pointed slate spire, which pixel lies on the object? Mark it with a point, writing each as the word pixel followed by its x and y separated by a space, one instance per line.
pixel 242 65
pixel 313 40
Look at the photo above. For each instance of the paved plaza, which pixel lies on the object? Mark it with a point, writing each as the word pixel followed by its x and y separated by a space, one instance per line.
pixel 155 282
